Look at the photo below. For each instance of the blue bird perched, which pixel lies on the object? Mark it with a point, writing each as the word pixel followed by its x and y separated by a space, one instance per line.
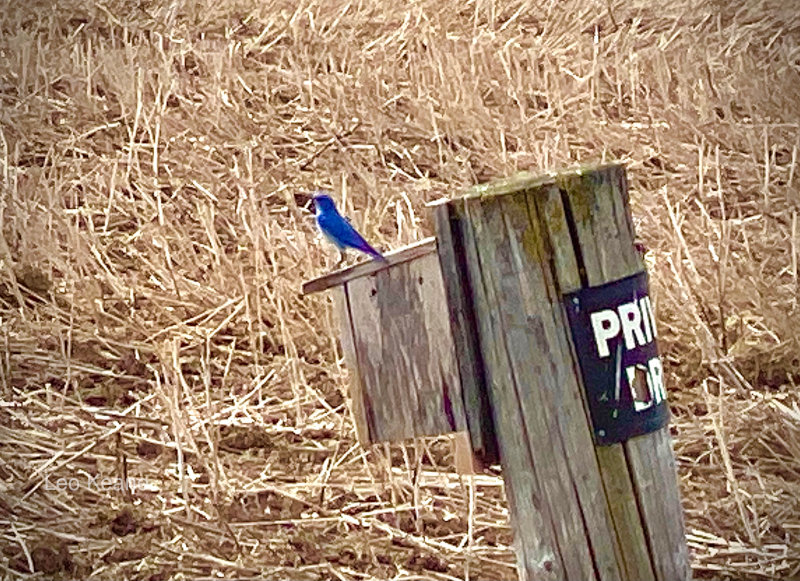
pixel 338 229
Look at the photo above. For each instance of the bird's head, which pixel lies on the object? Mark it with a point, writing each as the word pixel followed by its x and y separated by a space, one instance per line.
pixel 323 201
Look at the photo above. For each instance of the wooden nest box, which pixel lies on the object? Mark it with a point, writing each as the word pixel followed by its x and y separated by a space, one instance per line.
pixel 397 333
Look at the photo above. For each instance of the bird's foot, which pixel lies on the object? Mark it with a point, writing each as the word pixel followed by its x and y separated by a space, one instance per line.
pixel 340 262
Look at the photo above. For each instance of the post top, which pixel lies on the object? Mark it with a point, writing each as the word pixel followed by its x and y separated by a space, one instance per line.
pixel 343 275
pixel 521 181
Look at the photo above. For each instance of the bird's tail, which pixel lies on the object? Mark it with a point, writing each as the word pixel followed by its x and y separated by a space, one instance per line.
pixel 375 254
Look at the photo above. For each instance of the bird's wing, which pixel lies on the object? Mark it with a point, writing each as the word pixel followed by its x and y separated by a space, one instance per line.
pixel 341 231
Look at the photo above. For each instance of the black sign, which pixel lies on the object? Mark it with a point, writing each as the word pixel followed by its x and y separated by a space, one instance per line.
pixel 614 332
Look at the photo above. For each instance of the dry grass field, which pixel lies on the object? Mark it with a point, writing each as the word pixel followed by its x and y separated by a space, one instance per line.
pixel 155 159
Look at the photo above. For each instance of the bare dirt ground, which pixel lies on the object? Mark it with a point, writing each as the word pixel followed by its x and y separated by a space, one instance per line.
pixel 154 160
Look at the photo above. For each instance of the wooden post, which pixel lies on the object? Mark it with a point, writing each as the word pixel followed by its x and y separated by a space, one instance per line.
pixel 509 252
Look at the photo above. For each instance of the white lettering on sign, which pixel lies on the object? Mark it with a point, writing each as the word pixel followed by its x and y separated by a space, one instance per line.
pixel 634 320
pixel 605 325
pixel 647 321
pixel 654 381
pixel 657 378
pixel 631 319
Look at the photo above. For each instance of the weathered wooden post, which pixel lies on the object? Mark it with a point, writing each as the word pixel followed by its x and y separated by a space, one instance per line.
pixel 528 324
pixel 579 413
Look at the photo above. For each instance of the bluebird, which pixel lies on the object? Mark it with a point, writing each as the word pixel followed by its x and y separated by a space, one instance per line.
pixel 338 229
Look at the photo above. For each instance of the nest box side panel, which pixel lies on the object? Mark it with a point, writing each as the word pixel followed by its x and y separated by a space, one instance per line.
pixel 356 399
pixel 405 366
pixel 440 391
